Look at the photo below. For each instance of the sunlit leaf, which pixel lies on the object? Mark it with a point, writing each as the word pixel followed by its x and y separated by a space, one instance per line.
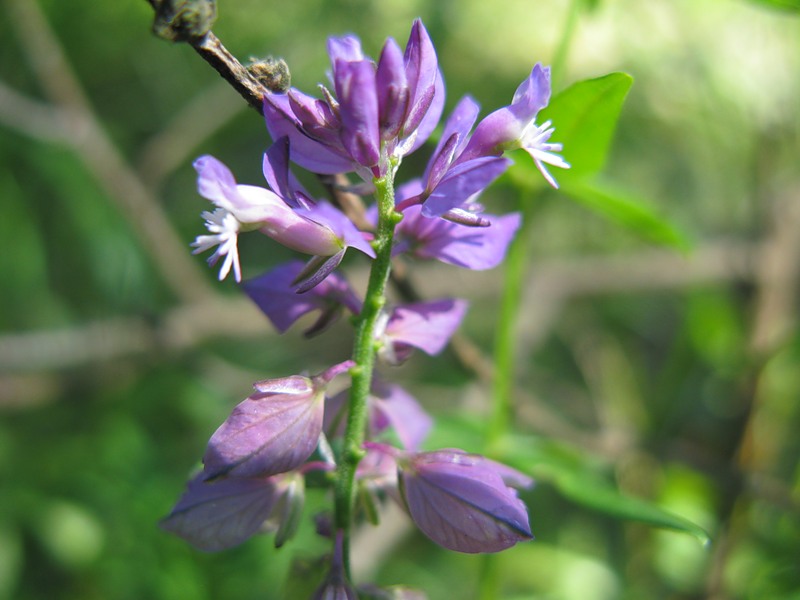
pixel 578 478
pixel 790 5
pixel 585 117
pixel 628 211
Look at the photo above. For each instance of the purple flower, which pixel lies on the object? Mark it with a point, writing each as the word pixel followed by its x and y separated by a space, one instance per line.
pixel 424 325
pixel 379 111
pixel 514 126
pixel 274 430
pixel 476 248
pixel 317 229
pixel 275 293
pixel 450 182
pixel 462 501
pixel 216 515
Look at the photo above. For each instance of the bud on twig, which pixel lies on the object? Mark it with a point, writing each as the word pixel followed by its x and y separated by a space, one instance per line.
pixel 272 73
pixel 184 20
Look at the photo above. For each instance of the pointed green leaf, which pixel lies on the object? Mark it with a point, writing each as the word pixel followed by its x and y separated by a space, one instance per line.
pixel 577 477
pixel 628 211
pixel 585 117
pixel 790 5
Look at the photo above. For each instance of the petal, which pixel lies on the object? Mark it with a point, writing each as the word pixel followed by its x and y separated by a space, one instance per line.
pixel 422 72
pixel 215 181
pixel 266 434
pixel 476 248
pixel 355 89
pixel 506 124
pixel 394 407
pixel 463 181
pixel 460 502
pixel 458 125
pixel 432 116
pixel 275 294
pixel 215 515
pixel 309 154
pixel 392 88
pixel 316 270
pixel 344 229
pixel 426 325
pixel 295 230
pixel 345 48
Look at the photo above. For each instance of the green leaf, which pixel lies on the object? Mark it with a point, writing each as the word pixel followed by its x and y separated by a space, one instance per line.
pixel 585 117
pixel 790 5
pixel 577 477
pixel 628 211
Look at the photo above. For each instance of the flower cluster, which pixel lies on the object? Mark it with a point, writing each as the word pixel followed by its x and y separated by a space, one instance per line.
pixel 370 438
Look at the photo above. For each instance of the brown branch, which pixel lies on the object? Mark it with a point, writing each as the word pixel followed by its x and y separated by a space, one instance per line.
pixel 30 117
pixel 212 51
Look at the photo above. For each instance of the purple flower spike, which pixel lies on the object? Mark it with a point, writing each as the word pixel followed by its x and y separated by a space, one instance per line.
pixel 424 325
pixel 273 431
pixel 216 515
pixel 476 248
pixel 275 294
pixel 514 126
pixel 461 501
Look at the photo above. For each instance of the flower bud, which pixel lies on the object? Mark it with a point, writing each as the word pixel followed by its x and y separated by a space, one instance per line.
pixel 274 430
pixel 461 501
pixel 220 514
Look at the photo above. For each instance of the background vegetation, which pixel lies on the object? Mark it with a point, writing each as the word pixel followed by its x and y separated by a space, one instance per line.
pixel 656 351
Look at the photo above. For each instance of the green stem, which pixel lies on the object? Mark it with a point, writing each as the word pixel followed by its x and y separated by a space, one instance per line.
pixel 364 349
pixel 516 264
pixel 559 61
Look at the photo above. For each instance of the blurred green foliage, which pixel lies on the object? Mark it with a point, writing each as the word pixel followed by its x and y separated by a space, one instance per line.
pixel 654 384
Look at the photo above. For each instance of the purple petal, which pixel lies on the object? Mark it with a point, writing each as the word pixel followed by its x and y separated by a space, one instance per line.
pixel 327 214
pixel 268 433
pixel 457 128
pixel 461 502
pixel 426 325
pixel 440 162
pixel 275 294
pixel 295 230
pixel 422 72
pixel 358 104
pixel 533 94
pixel 316 270
pixel 276 168
pixel 506 124
pixel 279 177
pixel 309 154
pixel 476 248
pixel 392 88
pixel 345 48
pixel 215 181
pixel 393 407
pixel 216 515
pixel 463 181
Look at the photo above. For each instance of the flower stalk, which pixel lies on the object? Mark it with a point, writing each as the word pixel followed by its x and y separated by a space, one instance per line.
pixel 364 352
